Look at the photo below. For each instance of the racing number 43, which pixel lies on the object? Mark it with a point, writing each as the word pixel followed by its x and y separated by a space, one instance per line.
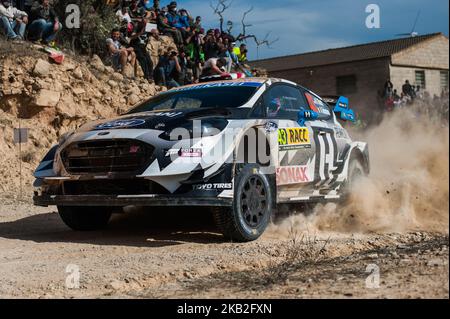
pixel 293 136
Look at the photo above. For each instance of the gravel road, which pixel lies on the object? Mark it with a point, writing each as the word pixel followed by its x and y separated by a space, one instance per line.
pixel 146 254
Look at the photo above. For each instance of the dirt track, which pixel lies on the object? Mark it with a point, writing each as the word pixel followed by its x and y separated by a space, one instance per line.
pixel 396 222
pixel 143 256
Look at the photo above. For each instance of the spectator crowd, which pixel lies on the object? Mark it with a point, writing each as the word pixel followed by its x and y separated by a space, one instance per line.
pixel 413 96
pixel 31 19
pixel 197 52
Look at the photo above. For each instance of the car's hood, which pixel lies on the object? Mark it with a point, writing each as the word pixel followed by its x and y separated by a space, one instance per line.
pixel 158 120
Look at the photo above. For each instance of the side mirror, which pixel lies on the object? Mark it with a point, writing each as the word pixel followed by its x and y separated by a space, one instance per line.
pixel 306 115
pixel 342 111
pixel 347 115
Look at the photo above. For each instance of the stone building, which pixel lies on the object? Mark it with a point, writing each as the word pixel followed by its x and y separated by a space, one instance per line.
pixel 359 72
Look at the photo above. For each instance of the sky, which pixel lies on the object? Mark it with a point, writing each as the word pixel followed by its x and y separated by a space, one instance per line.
pixel 310 25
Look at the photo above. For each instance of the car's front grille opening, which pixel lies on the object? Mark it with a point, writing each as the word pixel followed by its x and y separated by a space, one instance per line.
pixel 107 156
pixel 113 187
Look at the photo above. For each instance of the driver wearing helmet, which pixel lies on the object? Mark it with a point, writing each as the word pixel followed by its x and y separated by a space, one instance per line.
pixel 274 107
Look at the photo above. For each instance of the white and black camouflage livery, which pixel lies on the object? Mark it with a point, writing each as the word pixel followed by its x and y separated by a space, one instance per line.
pixel 240 147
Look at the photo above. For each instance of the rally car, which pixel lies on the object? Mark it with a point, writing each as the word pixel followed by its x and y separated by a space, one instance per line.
pixel 240 147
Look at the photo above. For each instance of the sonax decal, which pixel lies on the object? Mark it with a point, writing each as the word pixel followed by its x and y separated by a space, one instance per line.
pixel 287 175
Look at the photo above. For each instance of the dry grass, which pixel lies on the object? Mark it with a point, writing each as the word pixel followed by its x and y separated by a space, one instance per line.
pixel 300 250
pixel 28 156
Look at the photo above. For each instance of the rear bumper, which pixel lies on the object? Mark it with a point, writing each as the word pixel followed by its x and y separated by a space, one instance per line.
pixel 128 200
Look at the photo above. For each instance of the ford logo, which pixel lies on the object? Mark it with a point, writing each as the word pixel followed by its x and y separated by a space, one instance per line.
pixel 120 124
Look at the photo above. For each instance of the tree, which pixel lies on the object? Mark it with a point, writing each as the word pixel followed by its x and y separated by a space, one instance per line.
pixel 223 5
pixel 244 36
pixel 220 7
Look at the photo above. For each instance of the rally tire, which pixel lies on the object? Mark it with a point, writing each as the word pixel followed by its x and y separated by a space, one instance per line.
pixel 85 218
pixel 254 199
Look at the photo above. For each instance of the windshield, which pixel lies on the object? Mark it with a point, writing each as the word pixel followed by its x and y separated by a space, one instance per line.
pixel 203 96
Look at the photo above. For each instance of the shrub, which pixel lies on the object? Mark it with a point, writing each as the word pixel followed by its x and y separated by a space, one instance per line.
pixel 97 21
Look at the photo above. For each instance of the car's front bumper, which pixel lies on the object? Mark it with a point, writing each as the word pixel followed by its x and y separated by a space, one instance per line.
pixel 129 200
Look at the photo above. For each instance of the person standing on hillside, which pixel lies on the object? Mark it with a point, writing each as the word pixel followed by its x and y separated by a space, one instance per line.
pixel 123 14
pixel 214 66
pixel 120 55
pixel 197 25
pixel 45 25
pixel 242 56
pixel 13 21
pixel 165 28
pixel 407 89
pixel 139 41
pixel 168 67
pixel 175 20
pixel 210 46
pixel 156 5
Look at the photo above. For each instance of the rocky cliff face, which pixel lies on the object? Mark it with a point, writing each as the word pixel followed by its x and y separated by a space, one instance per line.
pixel 51 99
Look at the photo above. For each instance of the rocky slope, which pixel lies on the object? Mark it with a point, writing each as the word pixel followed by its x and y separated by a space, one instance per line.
pixel 51 99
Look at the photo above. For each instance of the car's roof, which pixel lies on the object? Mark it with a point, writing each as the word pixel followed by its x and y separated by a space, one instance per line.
pixel 243 80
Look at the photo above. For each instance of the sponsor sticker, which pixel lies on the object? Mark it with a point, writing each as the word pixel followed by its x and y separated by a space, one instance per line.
pixel 317 105
pixel 185 152
pixel 293 138
pixel 160 126
pixel 216 85
pixel 213 186
pixel 329 100
pixel 191 152
pixel 120 124
pixel 271 127
pixel 167 114
pixel 321 106
pixel 163 113
pixel 287 175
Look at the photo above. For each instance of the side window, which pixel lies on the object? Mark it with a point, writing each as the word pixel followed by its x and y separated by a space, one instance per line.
pixel 317 105
pixel 284 102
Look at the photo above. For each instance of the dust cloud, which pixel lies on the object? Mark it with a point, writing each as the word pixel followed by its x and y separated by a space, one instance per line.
pixel 407 189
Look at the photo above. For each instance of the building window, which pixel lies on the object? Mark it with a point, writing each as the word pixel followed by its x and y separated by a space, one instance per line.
pixel 346 84
pixel 420 79
pixel 444 80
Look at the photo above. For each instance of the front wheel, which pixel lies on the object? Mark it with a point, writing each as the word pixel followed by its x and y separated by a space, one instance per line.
pixel 254 199
pixel 85 218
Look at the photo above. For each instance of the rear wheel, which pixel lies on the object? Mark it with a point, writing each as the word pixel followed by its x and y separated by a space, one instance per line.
pixel 85 218
pixel 252 206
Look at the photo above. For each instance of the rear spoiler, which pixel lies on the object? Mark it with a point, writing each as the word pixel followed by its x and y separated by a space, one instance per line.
pixel 333 100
